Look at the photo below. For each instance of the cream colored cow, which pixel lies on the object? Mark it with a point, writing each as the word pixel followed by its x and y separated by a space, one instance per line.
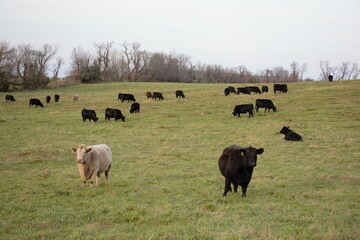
pixel 92 161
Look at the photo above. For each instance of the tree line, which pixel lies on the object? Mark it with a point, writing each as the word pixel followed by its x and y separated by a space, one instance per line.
pixel 24 67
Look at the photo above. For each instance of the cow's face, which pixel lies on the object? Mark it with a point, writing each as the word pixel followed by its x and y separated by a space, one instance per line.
pixel 250 155
pixel 285 130
pixel 81 153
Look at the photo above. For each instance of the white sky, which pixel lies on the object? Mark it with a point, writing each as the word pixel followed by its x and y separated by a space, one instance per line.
pixel 259 34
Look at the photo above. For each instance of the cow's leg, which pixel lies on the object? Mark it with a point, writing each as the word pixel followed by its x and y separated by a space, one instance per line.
pixel 243 188
pixel 83 177
pixel 107 174
pixel 93 175
pixel 235 187
pixel 227 186
pixel 98 176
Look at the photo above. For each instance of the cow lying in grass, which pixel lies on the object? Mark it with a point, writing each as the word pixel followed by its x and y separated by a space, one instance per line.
pixel 290 135
pixel 92 161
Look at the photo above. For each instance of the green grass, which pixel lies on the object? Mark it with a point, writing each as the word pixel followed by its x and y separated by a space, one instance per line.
pixel 165 182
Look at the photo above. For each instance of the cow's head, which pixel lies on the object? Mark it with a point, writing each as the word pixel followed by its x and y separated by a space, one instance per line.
pixel 250 155
pixel 81 153
pixel 285 130
pixel 96 119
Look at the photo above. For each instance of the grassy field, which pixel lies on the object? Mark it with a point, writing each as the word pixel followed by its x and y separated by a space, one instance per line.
pixel 165 182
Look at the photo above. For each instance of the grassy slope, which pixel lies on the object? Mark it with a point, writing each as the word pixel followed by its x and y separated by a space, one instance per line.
pixel 165 181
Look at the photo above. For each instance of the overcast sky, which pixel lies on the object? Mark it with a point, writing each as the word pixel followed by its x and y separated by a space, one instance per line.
pixel 259 34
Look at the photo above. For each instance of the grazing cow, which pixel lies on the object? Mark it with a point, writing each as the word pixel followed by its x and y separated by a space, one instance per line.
pixel 244 108
pixel 56 97
pixel 35 102
pixel 75 97
pixel 282 88
pixel 232 89
pixel 179 93
pixel 226 91
pixel 92 161
pixel 243 90
pixel 236 164
pixel 254 89
pixel 148 95
pixel 158 95
pixel 9 98
pixel 89 114
pixel 114 113
pixel 126 97
pixel 135 107
pixel 48 99
pixel 330 78
pixel 264 89
pixel 290 135
pixel 264 103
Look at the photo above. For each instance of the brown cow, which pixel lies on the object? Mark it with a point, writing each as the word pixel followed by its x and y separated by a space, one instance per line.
pixel 92 161
pixel 148 94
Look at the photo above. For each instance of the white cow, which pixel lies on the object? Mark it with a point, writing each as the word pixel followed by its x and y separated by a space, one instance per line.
pixel 92 161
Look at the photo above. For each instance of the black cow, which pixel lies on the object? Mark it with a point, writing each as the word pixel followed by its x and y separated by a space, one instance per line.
pixel 236 164
pixel 264 89
pixel 232 89
pixel 254 89
pixel 330 78
pixel 179 93
pixel 290 135
pixel 226 91
pixel 48 99
pixel 89 114
pixel 135 107
pixel 243 90
pixel 114 113
pixel 126 97
pixel 282 88
pixel 35 102
pixel 56 97
pixel 244 108
pixel 157 95
pixel 264 103
pixel 9 98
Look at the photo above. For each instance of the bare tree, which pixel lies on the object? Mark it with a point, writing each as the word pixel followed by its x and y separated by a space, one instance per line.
pixel 303 69
pixel 6 66
pixel 343 71
pixel 354 72
pixel 103 57
pixel 59 62
pixel 294 76
pixel 280 74
pixel 80 62
pixel 31 65
pixel 135 59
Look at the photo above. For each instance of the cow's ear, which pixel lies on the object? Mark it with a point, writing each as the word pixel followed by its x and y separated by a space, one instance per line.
pixel 73 150
pixel 259 151
pixel 88 150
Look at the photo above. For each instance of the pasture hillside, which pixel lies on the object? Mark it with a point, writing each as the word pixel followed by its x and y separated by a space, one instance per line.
pixel 165 182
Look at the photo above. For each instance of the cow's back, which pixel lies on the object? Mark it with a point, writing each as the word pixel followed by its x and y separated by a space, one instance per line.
pixel 101 154
pixel 230 161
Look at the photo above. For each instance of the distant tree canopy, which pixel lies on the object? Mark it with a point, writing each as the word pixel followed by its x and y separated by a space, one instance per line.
pixel 27 68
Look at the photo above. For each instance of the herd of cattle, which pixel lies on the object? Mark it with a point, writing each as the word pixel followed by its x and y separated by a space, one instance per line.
pixel 236 163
